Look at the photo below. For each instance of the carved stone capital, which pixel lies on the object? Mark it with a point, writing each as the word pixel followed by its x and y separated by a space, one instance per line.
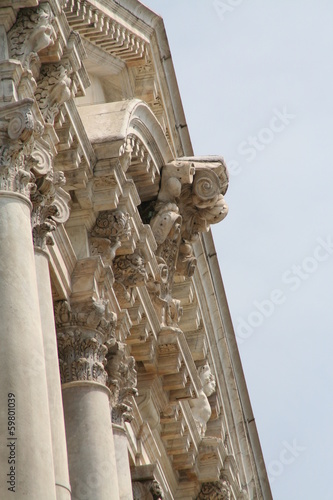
pixel 110 230
pixel 85 332
pixel 93 315
pixel 217 490
pixel 16 142
pixel 122 381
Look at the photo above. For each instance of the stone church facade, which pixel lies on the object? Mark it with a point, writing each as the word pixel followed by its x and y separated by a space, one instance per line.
pixel 120 373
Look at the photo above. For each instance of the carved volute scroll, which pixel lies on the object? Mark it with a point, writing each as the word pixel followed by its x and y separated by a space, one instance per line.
pixel 85 332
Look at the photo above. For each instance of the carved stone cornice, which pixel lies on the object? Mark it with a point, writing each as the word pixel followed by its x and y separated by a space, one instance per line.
pixel 217 490
pixel 110 230
pixel 17 126
pixel 85 332
pixel 122 381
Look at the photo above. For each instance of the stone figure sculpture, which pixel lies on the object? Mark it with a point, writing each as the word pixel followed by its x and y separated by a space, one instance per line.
pixel 201 409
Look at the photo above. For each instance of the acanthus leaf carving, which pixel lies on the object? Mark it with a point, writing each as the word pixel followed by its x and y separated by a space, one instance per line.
pixel 50 202
pixel 31 33
pixel 17 128
pixel 215 490
pixel 110 230
pixel 129 272
pixel 85 333
pixel 122 381
pixel 55 87
pixel 189 200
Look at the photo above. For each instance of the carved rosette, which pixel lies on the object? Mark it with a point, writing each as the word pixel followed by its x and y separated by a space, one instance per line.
pixel 85 332
pixel 110 230
pixel 217 490
pixel 122 381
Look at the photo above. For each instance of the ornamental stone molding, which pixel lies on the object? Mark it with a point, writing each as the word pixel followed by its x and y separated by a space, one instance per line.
pixel 122 381
pixel 31 33
pixel 55 87
pixel 217 490
pixel 111 229
pixel 85 332
pixel 129 272
pixel 17 126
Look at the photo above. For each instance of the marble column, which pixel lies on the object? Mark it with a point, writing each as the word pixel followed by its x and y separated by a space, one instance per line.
pixel 26 449
pixel 83 330
pixel 123 467
pixel 122 382
pixel 59 447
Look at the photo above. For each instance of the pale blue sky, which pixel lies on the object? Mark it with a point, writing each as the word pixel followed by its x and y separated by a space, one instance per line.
pixel 256 82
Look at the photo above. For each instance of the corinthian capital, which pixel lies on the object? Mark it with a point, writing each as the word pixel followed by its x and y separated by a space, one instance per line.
pixel 85 333
pixel 16 130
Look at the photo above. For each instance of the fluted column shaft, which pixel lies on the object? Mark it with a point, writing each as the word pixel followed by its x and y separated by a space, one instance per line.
pixel 84 330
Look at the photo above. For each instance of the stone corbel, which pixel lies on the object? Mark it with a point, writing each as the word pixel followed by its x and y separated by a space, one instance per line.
pixel 55 87
pixel 129 272
pixel 50 201
pixel 144 483
pixel 111 229
pixel 189 200
pixel 31 33
pixel 201 409
pixel 217 489
pixel 122 381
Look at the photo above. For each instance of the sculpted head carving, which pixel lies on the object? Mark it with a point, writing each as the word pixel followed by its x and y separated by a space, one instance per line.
pixel 207 380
